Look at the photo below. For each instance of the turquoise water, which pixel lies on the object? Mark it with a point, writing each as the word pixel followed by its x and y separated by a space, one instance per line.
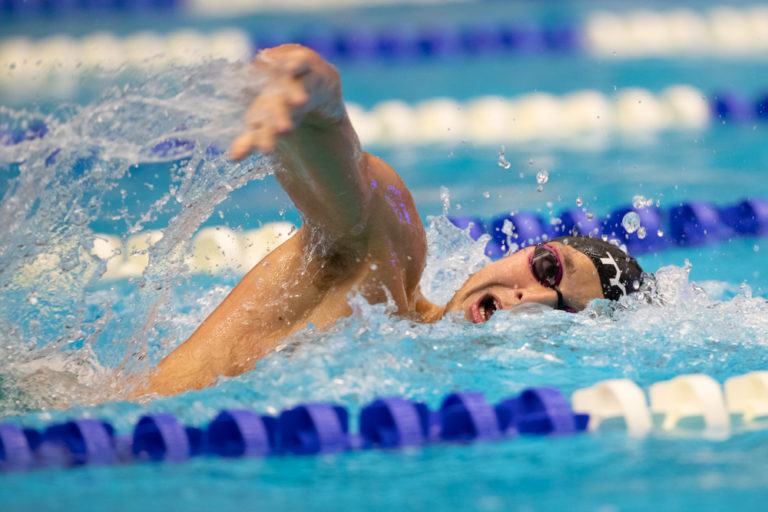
pixel 69 339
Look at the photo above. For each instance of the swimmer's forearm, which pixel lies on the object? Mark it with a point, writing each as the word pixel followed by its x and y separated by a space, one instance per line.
pixel 300 88
pixel 299 116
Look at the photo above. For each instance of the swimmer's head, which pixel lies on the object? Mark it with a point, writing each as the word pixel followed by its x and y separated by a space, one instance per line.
pixel 564 273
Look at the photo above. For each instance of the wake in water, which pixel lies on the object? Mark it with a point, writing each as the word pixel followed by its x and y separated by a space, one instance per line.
pixel 66 338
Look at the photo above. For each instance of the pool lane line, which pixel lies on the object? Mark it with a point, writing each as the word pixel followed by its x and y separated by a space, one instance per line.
pixel 691 405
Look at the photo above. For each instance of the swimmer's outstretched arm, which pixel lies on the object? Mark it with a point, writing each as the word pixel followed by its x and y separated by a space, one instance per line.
pixel 299 116
pixel 361 230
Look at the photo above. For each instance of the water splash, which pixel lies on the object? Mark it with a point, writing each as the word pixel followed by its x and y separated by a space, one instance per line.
pixel 671 327
pixel 55 317
pixel 63 333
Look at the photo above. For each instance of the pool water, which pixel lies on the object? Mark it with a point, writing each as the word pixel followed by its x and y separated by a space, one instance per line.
pixel 70 339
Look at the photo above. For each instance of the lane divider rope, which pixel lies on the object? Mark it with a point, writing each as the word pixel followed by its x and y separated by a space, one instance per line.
pixel 583 119
pixel 218 250
pixel 639 229
pixel 53 9
pixel 693 405
pixel 50 65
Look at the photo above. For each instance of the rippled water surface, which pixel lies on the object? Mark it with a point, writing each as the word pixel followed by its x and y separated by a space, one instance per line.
pixel 69 340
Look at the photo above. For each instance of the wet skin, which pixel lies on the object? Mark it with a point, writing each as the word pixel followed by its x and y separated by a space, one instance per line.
pixel 510 282
pixel 361 234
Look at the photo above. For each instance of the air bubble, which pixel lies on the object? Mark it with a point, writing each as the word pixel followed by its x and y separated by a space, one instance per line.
pixel 69 262
pixel 486 194
pixel 579 202
pixel 79 217
pixel 636 284
pixel 641 232
pixel 542 176
pixel 503 162
pixel 631 222
pixel 638 202
pixel 660 233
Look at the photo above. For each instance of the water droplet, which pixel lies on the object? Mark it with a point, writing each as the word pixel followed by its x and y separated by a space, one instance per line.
pixel 486 194
pixel 79 217
pixel 579 202
pixel 631 222
pixel 641 232
pixel 69 262
pixel 445 198
pixel 639 202
pixel 507 227
pixel 503 162
pixel 542 176
pixel 660 233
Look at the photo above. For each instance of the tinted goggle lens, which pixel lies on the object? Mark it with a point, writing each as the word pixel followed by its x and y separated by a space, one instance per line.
pixel 545 265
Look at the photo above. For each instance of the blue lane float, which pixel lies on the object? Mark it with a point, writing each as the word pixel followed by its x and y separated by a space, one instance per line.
pixel 78 442
pixel 307 429
pixel 313 428
pixel 15 450
pixel 688 224
pixel 467 417
pixel 161 437
pixel 394 422
pixel 241 433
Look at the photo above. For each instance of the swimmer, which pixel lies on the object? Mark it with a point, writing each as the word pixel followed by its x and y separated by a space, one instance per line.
pixel 361 233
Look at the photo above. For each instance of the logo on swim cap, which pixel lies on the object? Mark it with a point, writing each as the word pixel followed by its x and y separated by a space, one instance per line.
pixel 616 279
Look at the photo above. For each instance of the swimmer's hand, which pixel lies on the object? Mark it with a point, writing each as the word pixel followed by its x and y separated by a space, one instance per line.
pixel 300 87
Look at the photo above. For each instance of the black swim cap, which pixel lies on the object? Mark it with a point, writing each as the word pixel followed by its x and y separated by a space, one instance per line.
pixel 619 273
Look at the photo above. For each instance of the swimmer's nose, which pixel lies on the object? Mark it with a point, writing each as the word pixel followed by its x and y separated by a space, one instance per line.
pixel 525 296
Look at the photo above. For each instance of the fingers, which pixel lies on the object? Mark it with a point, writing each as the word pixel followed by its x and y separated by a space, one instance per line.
pixel 279 106
pixel 261 140
pixel 241 147
pixel 264 129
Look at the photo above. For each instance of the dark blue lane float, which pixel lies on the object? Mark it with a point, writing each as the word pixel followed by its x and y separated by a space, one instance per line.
pixel 393 422
pixel 688 224
pixel 307 429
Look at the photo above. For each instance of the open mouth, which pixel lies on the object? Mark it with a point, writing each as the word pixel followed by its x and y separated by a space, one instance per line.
pixel 484 309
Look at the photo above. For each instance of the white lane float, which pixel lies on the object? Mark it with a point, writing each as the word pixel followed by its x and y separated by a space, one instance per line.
pixel 618 403
pixel 747 398
pixel 690 402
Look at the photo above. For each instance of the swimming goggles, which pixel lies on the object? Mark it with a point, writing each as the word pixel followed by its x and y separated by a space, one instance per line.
pixel 547 268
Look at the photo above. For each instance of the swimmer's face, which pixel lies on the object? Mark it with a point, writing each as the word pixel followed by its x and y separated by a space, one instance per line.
pixel 510 282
